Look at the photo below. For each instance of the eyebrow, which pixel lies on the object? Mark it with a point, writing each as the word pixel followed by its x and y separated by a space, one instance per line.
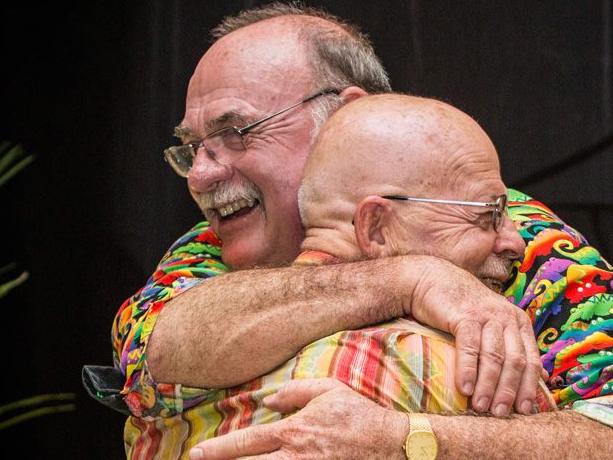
pixel 223 121
pixel 183 132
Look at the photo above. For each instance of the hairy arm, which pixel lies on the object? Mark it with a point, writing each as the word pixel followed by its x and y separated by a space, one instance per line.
pixel 236 327
pixel 333 421
pixel 546 435
pixel 239 326
pixel 227 330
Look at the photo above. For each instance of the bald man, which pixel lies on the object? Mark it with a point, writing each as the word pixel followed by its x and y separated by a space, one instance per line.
pixel 373 158
pixel 389 175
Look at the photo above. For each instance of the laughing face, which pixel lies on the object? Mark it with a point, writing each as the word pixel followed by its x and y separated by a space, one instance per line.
pixel 250 199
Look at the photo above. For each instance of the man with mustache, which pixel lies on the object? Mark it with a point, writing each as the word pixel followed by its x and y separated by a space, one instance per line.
pixel 252 72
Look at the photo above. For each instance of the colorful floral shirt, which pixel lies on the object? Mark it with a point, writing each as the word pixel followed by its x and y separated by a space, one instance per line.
pixel 566 287
pixel 563 284
pixel 191 259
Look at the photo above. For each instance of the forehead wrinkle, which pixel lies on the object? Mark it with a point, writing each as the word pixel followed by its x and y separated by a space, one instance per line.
pixel 469 167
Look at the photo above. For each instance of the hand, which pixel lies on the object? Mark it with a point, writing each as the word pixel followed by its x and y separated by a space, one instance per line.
pixel 497 360
pixel 334 422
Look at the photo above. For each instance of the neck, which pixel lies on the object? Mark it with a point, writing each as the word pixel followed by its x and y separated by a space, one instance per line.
pixel 338 243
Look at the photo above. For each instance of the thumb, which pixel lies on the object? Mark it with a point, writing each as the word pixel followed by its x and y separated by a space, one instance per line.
pixel 298 393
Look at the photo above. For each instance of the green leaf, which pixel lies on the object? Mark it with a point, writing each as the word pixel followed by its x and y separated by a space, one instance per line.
pixel 36 413
pixel 10 285
pixel 15 169
pixel 36 400
pixel 13 154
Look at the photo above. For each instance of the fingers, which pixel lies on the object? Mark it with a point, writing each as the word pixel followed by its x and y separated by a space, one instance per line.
pixel 526 395
pixel 468 343
pixel 298 393
pixel 491 358
pixel 512 371
pixel 259 439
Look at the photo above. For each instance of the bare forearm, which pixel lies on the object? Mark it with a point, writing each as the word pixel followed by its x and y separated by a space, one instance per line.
pixel 558 435
pixel 235 327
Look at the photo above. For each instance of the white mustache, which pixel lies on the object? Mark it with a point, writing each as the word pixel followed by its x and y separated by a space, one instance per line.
pixel 496 266
pixel 226 193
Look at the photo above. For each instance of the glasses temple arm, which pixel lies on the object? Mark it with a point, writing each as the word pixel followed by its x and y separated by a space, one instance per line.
pixel 245 129
pixel 480 204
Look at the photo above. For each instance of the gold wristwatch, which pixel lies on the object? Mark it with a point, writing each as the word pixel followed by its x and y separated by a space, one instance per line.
pixel 420 443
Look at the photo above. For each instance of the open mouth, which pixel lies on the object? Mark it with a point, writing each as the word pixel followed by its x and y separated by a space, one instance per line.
pixel 236 209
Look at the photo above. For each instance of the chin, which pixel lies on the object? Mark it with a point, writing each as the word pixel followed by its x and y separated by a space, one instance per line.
pixel 243 256
pixel 250 255
pixel 238 260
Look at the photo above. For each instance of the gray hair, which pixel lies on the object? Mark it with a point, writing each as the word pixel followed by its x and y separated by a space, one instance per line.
pixel 341 55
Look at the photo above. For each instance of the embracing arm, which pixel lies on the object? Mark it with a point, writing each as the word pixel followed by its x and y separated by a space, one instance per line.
pixel 239 326
pixel 560 435
pixel 333 421
pixel 229 329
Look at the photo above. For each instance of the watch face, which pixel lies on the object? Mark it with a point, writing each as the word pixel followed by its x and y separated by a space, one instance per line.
pixel 421 445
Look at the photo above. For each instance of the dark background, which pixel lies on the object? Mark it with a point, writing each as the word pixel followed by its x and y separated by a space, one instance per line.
pixel 95 88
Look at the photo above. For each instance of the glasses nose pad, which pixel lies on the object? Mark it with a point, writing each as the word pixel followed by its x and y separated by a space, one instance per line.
pixel 498 220
pixel 500 213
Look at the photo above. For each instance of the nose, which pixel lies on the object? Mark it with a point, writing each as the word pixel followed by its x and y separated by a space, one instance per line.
pixel 509 241
pixel 206 173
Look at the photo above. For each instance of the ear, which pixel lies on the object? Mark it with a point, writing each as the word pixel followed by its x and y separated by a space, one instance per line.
pixel 351 93
pixel 371 218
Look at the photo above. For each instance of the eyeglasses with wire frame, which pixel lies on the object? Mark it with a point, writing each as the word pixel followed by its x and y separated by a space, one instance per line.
pixel 498 212
pixel 226 144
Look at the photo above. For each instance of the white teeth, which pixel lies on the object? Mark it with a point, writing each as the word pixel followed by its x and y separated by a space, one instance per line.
pixel 231 208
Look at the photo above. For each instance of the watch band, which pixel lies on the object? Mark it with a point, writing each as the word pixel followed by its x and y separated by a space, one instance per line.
pixel 420 443
pixel 419 421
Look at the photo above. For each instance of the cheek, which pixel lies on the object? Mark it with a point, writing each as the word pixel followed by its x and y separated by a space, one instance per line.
pixel 280 186
pixel 481 248
pixel 277 169
pixel 470 249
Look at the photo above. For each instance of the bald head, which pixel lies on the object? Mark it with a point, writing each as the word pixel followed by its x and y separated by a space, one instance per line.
pixel 395 144
pixel 401 145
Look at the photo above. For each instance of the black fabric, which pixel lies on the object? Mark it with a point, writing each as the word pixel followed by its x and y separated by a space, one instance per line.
pixel 104 384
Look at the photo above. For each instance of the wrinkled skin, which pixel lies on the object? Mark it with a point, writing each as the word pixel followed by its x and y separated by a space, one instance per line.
pixel 354 427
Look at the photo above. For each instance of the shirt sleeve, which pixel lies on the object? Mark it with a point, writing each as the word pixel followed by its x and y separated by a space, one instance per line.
pixel 193 258
pixel 566 288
